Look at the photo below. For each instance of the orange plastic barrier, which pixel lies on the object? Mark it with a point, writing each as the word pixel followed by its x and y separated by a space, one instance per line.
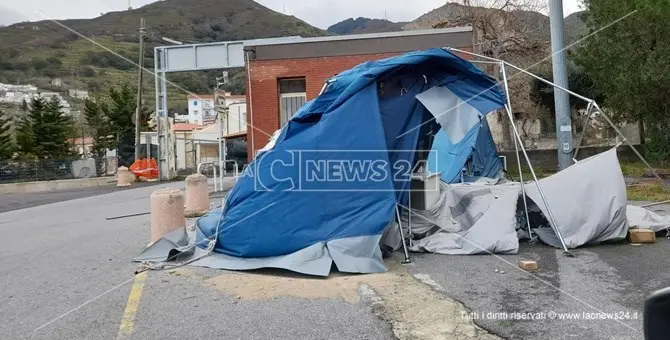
pixel 145 168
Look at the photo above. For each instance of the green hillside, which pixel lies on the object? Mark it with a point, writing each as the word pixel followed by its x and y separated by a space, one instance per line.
pixel 36 52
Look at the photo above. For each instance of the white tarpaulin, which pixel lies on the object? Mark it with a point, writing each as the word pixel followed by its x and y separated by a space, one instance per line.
pixel 456 116
pixel 468 219
pixel 588 201
pixel 642 218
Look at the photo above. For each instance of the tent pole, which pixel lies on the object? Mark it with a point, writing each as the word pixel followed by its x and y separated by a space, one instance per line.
pixel 539 189
pixel 537 184
pixel 402 237
pixel 603 114
pixel 508 107
pixel 589 108
pixel 588 100
pixel 473 54
pixel 616 129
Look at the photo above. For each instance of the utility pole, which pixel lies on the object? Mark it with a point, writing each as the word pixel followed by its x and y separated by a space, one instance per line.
pixel 138 109
pixel 83 137
pixel 561 98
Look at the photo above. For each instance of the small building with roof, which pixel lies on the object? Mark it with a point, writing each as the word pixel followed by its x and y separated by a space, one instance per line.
pixel 286 73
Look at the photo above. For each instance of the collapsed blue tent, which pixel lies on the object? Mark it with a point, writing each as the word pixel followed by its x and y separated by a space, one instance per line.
pixel 328 187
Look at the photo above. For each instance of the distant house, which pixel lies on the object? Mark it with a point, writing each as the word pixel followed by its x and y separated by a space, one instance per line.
pixel 78 94
pixel 81 146
pixel 57 82
pixel 50 95
pixel 235 122
pixel 200 109
pixel 185 148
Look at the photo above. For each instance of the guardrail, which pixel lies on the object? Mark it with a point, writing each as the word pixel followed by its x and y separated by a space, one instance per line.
pixel 218 186
pixel 223 168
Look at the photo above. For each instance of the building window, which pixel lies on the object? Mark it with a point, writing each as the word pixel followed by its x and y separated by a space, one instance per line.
pixel 292 96
pixel 195 103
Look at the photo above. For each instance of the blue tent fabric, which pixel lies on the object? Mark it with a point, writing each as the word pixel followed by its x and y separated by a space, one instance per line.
pixel 448 159
pixel 343 162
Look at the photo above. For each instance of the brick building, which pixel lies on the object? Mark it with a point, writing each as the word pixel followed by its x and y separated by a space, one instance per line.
pixel 286 74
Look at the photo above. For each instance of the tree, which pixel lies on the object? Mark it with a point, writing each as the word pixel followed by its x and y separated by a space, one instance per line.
pixel 52 131
pixel 628 62
pixel 508 30
pixel 578 81
pixel 119 112
pixel 44 131
pixel 25 138
pixel 504 29
pixel 101 130
pixel 6 144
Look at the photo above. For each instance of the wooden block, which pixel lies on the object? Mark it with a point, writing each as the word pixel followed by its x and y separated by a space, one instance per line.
pixel 528 265
pixel 641 236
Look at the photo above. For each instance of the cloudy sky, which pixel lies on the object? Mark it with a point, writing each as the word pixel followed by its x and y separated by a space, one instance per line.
pixel 320 13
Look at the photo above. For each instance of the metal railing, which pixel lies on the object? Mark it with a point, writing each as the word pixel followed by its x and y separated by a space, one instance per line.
pixel 33 170
pixel 222 165
pixel 216 184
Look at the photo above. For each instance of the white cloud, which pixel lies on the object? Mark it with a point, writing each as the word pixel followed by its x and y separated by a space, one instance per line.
pixel 320 13
pixel 323 13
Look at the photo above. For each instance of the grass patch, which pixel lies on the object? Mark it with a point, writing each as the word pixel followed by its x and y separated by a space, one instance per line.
pixel 653 191
pixel 633 169
pixel 647 192
pixel 629 169
pixel 527 176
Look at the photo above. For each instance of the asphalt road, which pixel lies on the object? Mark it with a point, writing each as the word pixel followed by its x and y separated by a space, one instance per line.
pixel 613 280
pixel 66 273
pixel 22 201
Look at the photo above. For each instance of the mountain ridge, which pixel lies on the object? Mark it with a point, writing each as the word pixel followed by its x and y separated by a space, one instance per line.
pixel 37 52
pixel 365 25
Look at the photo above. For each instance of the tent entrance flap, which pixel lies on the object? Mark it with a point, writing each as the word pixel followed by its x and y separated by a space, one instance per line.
pixel 408 127
pixel 455 116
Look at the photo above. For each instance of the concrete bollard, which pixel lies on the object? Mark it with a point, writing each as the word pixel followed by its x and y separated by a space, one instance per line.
pixel 124 177
pixel 197 195
pixel 167 212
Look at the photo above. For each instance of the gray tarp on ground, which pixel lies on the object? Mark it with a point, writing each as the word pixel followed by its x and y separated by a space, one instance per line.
pixel 316 259
pixel 473 218
pixel 642 218
pixel 588 201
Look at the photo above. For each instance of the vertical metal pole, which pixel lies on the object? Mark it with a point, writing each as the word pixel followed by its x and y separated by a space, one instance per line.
pixel 561 99
pixel 402 236
pixel 148 140
pixel 138 109
pixel 166 130
pixel 616 129
pixel 157 111
pixel 589 108
pixel 409 210
pixel 508 107
pixel 251 110
pixel 552 220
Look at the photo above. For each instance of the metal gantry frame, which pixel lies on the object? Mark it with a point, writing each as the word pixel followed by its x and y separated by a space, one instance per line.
pixel 519 143
pixel 197 57
pixel 184 58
